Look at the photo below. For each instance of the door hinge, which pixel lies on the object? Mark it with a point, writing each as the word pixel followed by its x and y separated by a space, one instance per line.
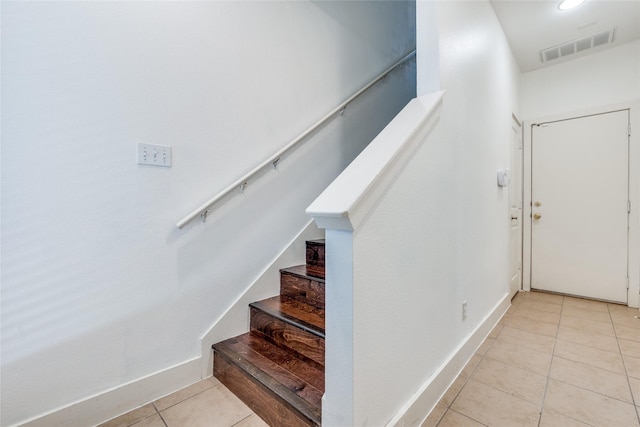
pixel 629 129
pixel 628 206
pixel 627 282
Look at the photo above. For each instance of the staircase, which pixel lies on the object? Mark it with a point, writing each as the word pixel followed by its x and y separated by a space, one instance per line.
pixel 277 368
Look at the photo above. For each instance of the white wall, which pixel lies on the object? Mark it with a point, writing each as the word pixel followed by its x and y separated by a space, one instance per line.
pixel 435 233
pixel 481 80
pixel 596 80
pixel 589 85
pixel 99 288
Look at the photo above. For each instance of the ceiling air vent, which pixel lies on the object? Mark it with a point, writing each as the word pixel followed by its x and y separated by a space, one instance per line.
pixel 577 46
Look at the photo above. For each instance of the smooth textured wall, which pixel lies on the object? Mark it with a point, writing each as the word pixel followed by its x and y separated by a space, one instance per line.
pixel 481 80
pixel 593 84
pixel 417 225
pixel 471 143
pixel 99 288
pixel 597 80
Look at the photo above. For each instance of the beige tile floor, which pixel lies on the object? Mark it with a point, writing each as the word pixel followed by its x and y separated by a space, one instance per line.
pixel 550 361
pixel 204 404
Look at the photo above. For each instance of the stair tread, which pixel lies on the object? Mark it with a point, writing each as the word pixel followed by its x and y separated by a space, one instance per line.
pixel 319 242
pixel 290 310
pixel 297 382
pixel 301 270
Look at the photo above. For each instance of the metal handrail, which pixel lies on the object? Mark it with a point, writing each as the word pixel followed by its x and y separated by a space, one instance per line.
pixel 203 210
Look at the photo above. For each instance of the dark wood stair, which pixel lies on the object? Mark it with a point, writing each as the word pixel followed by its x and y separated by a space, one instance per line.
pixel 277 368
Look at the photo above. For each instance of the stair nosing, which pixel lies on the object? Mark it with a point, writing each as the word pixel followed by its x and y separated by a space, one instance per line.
pixel 289 270
pixel 305 407
pixel 307 327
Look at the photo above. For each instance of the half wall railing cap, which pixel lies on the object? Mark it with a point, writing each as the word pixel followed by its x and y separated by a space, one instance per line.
pixel 204 210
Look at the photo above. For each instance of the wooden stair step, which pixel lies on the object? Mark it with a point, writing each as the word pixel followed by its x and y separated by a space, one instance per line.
pixel 296 283
pixel 280 388
pixel 292 325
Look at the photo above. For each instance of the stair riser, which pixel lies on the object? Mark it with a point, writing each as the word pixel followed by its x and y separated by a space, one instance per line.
pixel 303 289
pixel 255 395
pixel 315 258
pixel 288 336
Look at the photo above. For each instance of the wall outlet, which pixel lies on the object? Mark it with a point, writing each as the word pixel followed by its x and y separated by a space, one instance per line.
pixel 154 155
pixel 464 310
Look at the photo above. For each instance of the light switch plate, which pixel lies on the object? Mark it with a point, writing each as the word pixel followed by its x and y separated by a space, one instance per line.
pixel 154 155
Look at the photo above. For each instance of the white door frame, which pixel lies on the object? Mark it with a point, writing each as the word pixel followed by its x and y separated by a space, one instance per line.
pixel 634 193
pixel 517 124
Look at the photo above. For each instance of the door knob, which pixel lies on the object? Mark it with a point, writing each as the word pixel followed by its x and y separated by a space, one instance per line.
pixel 537 216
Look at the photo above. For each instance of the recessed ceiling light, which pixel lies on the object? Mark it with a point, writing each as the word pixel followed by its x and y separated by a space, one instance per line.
pixel 569 4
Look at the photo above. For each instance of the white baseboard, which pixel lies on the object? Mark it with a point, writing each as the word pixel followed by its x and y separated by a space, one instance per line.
pixel 104 406
pixel 119 400
pixel 415 411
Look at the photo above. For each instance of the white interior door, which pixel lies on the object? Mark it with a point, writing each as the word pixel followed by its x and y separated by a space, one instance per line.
pixel 580 190
pixel 515 209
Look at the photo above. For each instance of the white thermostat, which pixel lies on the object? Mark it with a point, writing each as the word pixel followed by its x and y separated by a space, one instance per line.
pixel 503 178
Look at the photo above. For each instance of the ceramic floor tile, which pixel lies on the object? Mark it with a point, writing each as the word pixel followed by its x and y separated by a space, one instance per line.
pixel 545 297
pixel 630 348
pixel 604 328
pixel 541 306
pixel 252 421
pixel 633 366
pixel 536 315
pixel 588 407
pixel 152 421
pixel 485 346
pixel 635 389
pixel 620 308
pixel 512 309
pixel 496 331
pixel 453 391
pixel 131 417
pixel 495 408
pixel 627 333
pixel 590 339
pixel 509 379
pixel 518 298
pixel 628 320
pixel 535 327
pixel 550 418
pixel 456 419
pixel 583 313
pixel 590 356
pixel 520 357
pixel 591 378
pixel 185 393
pixel 215 407
pixel 470 366
pixel 541 343
pixel 587 304
pixel 435 416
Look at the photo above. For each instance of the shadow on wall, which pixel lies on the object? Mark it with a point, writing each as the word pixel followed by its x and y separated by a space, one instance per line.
pixel 348 14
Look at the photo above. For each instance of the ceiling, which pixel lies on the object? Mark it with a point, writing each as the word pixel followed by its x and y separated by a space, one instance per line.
pixel 535 25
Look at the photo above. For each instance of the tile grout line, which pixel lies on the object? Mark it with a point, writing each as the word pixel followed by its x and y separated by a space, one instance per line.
pixel 553 351
pixel 482 357
pixel 624 365
pixel 185 399
pixel 467 380
pixel 159 414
